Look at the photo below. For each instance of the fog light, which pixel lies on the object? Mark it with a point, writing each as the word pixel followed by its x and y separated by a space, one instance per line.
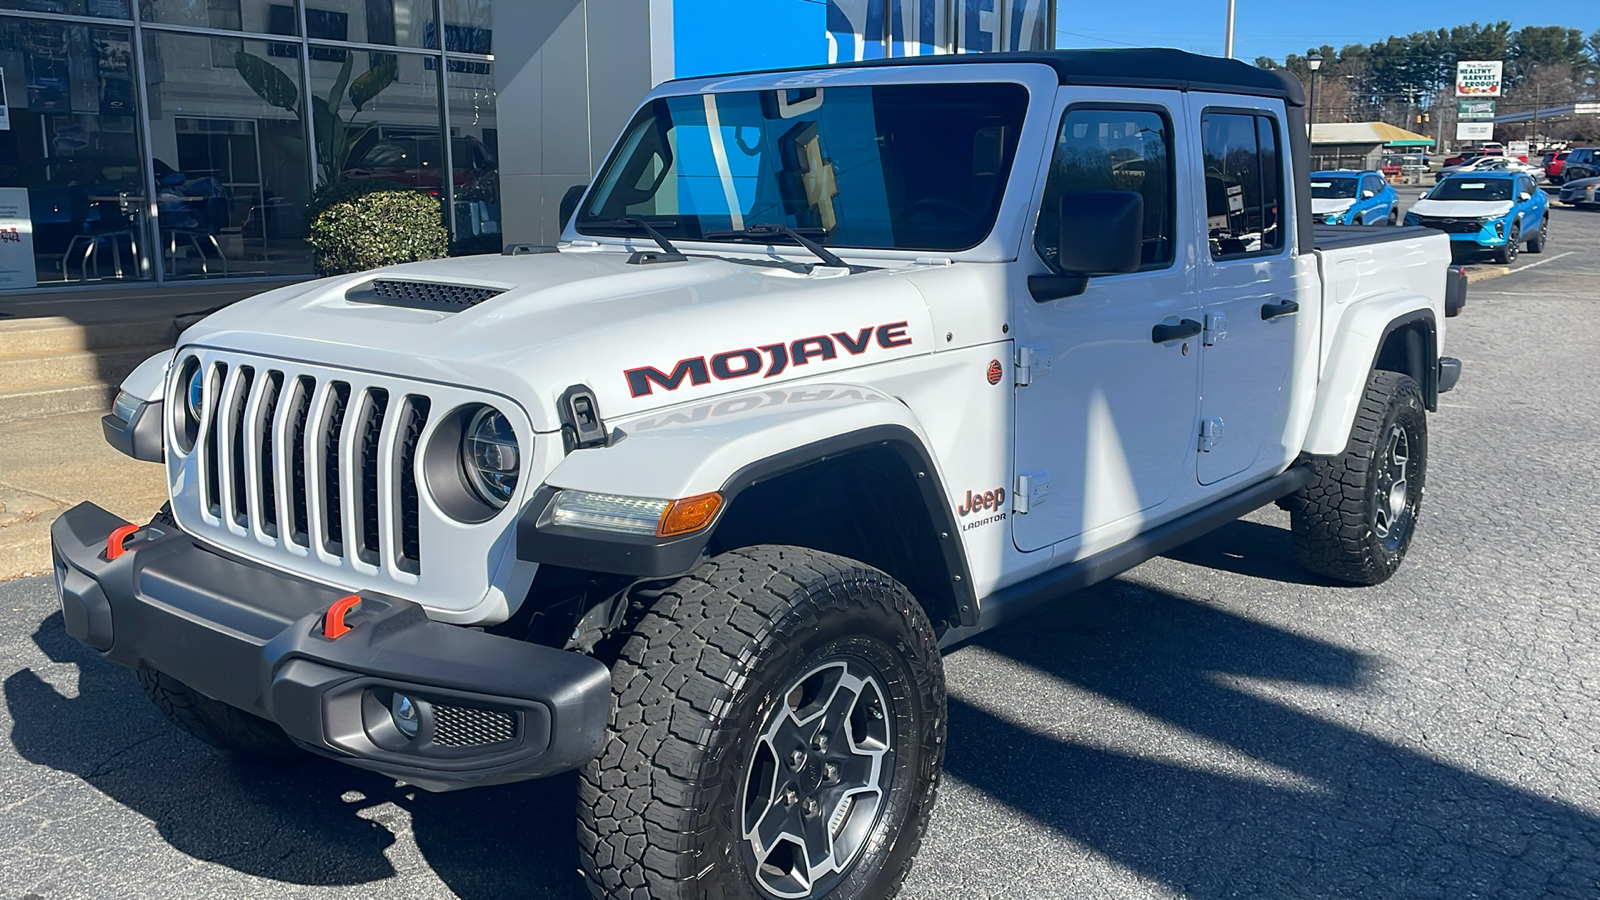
pixel 404 710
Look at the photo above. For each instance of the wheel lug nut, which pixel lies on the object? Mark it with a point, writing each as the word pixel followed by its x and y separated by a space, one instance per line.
pixel 820 743
pixel 789 797
pixel 830 773
pixel 797 760
pixel 810 806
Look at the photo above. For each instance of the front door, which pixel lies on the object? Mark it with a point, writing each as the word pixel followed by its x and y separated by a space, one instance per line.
pixel 1248 291
pixel 1106 428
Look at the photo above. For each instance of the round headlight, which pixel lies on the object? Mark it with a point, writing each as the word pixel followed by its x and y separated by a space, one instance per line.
pixel 490 455
pixel 194 394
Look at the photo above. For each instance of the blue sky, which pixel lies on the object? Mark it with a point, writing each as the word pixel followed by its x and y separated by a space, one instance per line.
pixel 1277 27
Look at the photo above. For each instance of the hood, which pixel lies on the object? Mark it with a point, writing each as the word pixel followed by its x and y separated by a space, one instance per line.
pixel 640 336
pixel 1463 209
pixel 1331 205
pixel 1581 183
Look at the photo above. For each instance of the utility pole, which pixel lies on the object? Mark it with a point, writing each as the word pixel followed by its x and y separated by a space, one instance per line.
pixel 1227 43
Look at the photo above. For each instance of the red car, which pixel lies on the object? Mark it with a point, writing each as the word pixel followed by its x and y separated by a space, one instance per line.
pixel 1469 155
pixel 1553 164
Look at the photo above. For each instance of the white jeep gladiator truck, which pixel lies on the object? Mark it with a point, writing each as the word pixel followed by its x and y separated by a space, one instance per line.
pixel 831 370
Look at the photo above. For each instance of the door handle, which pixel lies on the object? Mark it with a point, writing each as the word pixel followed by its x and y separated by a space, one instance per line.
pixel 1278 308
pixel 1163 332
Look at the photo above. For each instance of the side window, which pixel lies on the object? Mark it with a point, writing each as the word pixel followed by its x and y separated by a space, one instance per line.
pixel 1368 183
pixel 1244 183
pixel 1112 150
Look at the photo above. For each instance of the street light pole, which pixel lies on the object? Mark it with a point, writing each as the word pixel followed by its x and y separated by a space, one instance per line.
pixel 1314 62
pixel 1227 43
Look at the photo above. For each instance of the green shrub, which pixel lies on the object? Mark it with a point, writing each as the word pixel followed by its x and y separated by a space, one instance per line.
pixel 355 228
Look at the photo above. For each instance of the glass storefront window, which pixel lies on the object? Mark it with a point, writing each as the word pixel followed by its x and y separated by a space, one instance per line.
pixel 468 27
pixel 262 16
pixel 475 148
pixel 107 9
pixel 378 119
pixel 72 187
pixel 395 23
pixel 229 157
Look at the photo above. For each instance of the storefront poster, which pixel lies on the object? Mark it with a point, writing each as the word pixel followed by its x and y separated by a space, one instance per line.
pixel 16 240
pixel 1478 79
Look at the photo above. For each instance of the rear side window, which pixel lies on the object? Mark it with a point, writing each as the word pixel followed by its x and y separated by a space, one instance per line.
pixel 1105 149
pixel 1244 183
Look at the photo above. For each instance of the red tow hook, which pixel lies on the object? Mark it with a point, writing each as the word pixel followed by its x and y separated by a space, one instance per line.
pixel 333 625
pixel 115 539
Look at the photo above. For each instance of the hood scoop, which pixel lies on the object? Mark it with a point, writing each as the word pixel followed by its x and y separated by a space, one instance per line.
pixel 430 295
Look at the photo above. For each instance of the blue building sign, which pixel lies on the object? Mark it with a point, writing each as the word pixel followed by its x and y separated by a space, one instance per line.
pixel 715 36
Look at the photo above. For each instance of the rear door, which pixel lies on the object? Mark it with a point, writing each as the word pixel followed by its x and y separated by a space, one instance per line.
pixel 1248 287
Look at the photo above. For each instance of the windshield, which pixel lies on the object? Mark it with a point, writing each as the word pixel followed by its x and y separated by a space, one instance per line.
pixel 903 167
pixel 1472 189
pixel 1333 188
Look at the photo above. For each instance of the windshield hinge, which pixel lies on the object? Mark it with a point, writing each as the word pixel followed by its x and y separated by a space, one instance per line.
pixel 1033 361
pixel 933 261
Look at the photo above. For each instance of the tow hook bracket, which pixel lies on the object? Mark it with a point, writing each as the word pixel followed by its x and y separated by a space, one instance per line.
pixel 333 626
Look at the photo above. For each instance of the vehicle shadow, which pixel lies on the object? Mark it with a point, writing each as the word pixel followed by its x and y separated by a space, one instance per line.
pixel 1252 549
pixel 1351 814
pixel 313 822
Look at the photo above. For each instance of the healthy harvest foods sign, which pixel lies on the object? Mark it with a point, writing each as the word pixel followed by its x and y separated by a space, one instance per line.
pixel 1478 79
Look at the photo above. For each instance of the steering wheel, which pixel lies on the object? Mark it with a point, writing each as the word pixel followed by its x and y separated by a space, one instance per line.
pixel 933 204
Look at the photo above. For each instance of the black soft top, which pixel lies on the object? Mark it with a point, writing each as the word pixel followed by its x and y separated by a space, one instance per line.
pixel 1134 67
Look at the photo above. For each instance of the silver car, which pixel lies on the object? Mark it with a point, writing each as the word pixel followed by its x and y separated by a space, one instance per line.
pixel 1583 192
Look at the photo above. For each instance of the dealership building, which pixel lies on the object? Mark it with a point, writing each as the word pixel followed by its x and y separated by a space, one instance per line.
pixel 164 141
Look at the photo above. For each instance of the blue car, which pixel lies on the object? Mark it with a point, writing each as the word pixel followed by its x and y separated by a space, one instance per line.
pixel 1350 197
pixel 1489 211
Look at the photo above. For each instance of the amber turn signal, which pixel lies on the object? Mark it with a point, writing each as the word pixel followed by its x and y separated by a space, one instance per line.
pixel 689 514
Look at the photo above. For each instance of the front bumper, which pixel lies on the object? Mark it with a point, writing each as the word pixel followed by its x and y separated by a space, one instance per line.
pixel 493 709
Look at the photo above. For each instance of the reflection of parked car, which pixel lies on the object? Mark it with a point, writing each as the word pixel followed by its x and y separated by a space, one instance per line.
pixel 1467 156
pixel 1349 197
pixel 418 162
pixel 1494 211
pixel 70 196
pixel 1490 164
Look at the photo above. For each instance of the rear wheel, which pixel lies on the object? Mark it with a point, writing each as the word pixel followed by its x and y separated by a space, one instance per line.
pixel 1354 521
pixel 779 730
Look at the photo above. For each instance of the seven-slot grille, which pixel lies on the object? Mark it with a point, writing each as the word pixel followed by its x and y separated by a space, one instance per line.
pixel 323 465
pixel 1451 226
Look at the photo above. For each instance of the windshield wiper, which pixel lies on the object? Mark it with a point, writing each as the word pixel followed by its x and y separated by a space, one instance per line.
pixel 669 253
pixel 768 230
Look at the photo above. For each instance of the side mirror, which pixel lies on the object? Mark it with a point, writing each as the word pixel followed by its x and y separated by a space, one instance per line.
pixel 569 205
pixel 1367 195
pixel 1524 196
pixel 1098 233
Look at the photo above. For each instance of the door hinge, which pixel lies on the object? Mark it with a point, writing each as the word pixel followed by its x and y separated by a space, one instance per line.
pixel 1216 328
pixel 1210 433
pixel 1033 489
pixel 1033 361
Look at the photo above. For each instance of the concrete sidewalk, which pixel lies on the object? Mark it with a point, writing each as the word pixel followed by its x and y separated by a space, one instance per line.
pixel 52 464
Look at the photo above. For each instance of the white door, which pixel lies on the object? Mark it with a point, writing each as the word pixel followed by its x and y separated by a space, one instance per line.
pixel 1248 287
pixel 1106 431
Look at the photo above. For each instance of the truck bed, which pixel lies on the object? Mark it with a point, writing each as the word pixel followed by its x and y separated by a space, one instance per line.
pixel 1339 237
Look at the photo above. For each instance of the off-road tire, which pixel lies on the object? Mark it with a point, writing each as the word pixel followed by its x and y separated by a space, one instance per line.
pixel 1335 518
pixel 661 811
pixel 232 731
pixel 1507 254
pixel 1540 237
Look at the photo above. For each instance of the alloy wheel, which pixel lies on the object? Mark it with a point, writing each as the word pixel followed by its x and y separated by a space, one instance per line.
pixel 1394 501
pixel 818 778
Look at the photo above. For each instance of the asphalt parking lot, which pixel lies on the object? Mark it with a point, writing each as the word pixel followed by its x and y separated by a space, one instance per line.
pixel 1212 724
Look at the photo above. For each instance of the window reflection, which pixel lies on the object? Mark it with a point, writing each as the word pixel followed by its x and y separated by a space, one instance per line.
pixel 475 147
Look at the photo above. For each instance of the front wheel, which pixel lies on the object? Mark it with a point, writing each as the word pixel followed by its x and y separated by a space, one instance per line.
pixel 1507 255
pixel 779 731
pixel 1354 521
pixel 1394 217
pixel 1537 242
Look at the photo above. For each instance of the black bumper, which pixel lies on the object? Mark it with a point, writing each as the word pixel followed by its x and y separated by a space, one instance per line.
pixel 493 709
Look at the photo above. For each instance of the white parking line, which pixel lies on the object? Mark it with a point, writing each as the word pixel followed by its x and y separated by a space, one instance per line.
pixel 1540 262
